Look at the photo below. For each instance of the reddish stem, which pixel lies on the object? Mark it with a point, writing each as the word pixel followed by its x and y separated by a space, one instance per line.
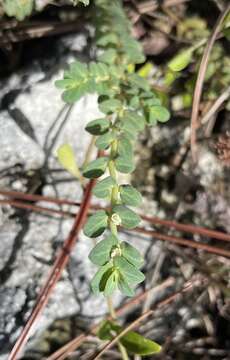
pixel 194 229
pixel 185 242
pixel 56 271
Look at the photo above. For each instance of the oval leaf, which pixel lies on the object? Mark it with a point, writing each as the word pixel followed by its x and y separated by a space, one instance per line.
pixel 103 188
pixel 158 113
pixel 100 254
pixel 131 254
pixel 129 272
pixel 181 60
pixel 99 279
pixel 66 158
pixel 95 168
pixel 130 196
pixel 111 284
pixel 125 147
pixel 138 344
pixel 96 224
pixel 104 141
pixel 110 106
pixel 124 164
pixel 124 287
pixel 129 219
pixel 98 126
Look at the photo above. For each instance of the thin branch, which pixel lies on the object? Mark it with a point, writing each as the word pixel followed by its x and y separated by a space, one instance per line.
pixel 148 313
pixel 55 274
pixel 194 229
pixel 212 111
pixel 200 82
pixel 180 241
pixel 63 352
pixel 185 242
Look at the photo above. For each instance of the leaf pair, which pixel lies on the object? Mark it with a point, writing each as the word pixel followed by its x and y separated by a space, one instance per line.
pixel 98 222
pixel 128 194
pixel 132 341
pixel 108 248
pixel 119 266
pixel 117 273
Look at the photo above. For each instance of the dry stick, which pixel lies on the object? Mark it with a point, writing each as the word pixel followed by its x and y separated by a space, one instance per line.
pixel 188 228
pixel 152 5
pixel 135 323
pixel 185 242
pixel 153 220
pixel 209 116
pixel 56 272
pixel 200 82
pixel 216 105
pixel 26 206
pixel 180 241
pixel 37 31
pixel 61 353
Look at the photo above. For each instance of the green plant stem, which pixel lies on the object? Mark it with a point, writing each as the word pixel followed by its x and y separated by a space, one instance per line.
pixel 123 351
pixel 113 315
pixel 113 227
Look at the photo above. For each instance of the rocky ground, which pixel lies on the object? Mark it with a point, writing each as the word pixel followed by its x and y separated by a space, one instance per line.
pixel 33 124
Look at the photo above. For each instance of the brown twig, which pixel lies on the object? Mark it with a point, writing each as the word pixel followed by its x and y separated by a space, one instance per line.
pixel 185 242
pixel 63 352
pixel 168 223
pixel 30 207
pixel 194 229
pixel 35 30
pixel 200 82
pixel 152 5
pixel 148 313
pixel 56 271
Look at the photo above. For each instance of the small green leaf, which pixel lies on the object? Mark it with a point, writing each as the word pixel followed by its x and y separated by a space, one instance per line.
pixel 138 344
pixel 137 121
pixel 104 332
pixel 139 82
pixel 110 106
pixel 124 164
pixel 145 70
pixel 67 159
pixel 103 188
pixel 110 38
pixel 99 280
pixel 130 196
pixel 129 219
pixel 130 273
pixel 98 126
pixel 104 141
pixel 134 102
pixel 132 341
pixel 181 60
pixel 95 168
pixel 108 56
pixel 74 94
pixel 18 8
pixel 131 254
pixel 124 287
pixel 100 254
pixel 158 113
pixel 96 224
pixel 125 147
pixel 111 284
pixel 129 129
pixel 78 70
